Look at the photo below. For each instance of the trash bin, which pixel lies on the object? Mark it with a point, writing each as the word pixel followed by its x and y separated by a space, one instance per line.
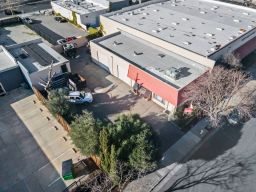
pixel 68 170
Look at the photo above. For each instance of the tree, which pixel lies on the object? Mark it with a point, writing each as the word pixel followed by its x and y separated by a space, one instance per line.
pixel 85 133
pixel 134 142
pixel 113 166
pixel 10 5
pixel 219 92
pixel 232 60
pixel 104 149
pixel 57 102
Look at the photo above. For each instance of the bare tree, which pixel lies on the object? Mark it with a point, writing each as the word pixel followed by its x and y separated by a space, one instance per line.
pixel 232 60
pixel 10 5
pixel 227 172
pixel 103 183
pixel 47 83
pixel 219 92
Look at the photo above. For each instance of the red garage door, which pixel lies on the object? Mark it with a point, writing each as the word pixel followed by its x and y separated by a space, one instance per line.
pixel 153 84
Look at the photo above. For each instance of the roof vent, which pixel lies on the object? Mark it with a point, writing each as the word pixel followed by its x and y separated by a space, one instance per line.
pixel 245 13
pixel 186 43
pixel 174 5
pixel 249 26
pixel 145 13
pixel 125 19
pixel 242 30
pixel 131 13
pixel 219 29
pixel 141 9
pixel 185 19
pixel 232 37
pixel 171 35
pixel 155 10
pixel 155 31
pixel 216 47
pixel 203 12
pixel 174 23
pixel 117 43
pixel 161 55
pixel 209 34
pixel 236 20
pixel 135 53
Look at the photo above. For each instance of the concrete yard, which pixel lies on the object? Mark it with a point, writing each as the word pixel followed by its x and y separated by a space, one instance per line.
pixel 32 150
pixel 113 97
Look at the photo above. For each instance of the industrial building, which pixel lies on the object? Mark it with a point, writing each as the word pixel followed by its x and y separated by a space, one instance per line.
pixel 86 12
pixel 29 62
pixel 163 46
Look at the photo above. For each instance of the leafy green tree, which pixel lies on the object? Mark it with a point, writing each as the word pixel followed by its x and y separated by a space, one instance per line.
pixel 85 131
pixel 113 165
pixel 57 103
pixel 134 142
pixel 104 150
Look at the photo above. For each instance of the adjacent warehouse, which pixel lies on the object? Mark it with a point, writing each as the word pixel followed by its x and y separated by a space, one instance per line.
pixel 10 74
pixel 86 13
pixel 29 61
pixel 163 46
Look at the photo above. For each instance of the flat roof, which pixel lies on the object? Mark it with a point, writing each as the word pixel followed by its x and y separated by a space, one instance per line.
pixel 5 61
pixel 84 7
pixel 201 26
pixel 153 59
pixel 35 56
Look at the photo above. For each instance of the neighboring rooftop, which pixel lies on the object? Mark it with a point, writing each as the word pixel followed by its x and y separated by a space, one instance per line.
pixel 153 59
pixel 35 55
pixel 84 7
pixel 201 26
pixel 6 60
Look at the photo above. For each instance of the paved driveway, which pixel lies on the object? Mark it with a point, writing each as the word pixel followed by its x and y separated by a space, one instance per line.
pixel 113 97
pixel 31 148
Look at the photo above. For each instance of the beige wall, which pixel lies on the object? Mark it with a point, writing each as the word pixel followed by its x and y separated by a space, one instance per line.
pixel 111 26
pixel 114 64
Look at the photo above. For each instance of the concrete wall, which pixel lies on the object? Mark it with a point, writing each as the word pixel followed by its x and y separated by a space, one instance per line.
pixel 61 10
pixel 111 26
pixel 112 63
pixel 12 78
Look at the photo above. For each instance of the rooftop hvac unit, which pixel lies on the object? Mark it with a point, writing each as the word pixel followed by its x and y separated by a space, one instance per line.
pixel 173 72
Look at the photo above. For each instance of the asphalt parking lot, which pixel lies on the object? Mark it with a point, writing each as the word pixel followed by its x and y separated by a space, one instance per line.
pixel 32 149
pixel 47 25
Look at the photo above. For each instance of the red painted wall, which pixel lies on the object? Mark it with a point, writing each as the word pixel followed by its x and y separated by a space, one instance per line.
pixel 153 84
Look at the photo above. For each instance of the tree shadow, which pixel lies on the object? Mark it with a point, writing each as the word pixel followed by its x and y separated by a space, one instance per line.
pixel 229 172
pixel 167 132
pixel 223 140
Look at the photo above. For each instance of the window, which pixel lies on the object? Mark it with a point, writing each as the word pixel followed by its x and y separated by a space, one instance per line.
pixel 158 98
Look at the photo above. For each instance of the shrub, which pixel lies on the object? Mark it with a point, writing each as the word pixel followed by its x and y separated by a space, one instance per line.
pixel 57 102
pixel 85 133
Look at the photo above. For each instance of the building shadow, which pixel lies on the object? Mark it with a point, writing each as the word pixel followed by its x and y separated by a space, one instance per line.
pixel 5 40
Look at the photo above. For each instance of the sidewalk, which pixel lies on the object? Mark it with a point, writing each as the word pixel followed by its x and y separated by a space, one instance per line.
pixel 170 160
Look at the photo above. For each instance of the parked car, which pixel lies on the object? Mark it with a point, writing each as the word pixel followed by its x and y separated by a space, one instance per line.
pixel 80 97
pixel 60 19
pixel 68 39
pixel 61 41
pixel 27 20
